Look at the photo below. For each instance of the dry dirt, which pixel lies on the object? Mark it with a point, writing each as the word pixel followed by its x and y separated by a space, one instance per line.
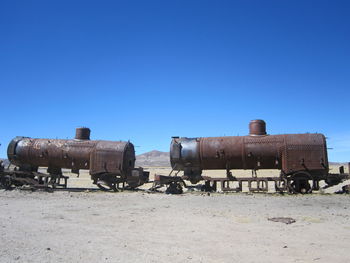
pixel 87 225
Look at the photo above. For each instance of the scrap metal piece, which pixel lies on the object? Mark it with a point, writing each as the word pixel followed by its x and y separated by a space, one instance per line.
pixel 174 188
pixel 174 184
pixel 344 190
pixel 285 220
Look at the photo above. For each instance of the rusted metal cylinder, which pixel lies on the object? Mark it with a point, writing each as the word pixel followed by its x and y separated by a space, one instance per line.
pixel 117 157
pixel 257 127
pixel 82 133
pixel 286 152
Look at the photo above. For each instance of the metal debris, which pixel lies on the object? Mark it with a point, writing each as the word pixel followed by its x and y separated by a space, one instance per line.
pixel 344 190
pixel 286 220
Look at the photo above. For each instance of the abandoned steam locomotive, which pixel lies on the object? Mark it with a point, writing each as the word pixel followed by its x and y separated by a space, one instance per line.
pixel 301 158
pixel 111 163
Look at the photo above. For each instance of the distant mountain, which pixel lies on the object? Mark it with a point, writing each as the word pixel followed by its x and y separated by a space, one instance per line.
pixel 153 159
pixel 5 162
pixel 336 163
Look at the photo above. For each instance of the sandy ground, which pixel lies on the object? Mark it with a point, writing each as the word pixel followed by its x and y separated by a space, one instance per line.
pixel 88 225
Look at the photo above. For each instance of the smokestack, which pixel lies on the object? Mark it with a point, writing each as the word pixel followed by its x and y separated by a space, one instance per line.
pixel 82 133
pixel 257 127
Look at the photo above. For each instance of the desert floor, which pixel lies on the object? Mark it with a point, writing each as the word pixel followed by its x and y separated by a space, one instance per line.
pixel 82 224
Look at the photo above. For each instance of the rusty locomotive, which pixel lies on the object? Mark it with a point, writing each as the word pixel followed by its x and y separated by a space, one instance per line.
pixel 111 163
pixel 301 158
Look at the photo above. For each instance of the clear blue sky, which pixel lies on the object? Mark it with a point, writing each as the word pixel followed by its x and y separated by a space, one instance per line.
pixel 149 70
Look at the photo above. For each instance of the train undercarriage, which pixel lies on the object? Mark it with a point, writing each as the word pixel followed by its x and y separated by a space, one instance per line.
pixel 54 178
pixel 297 183
pixel 300 182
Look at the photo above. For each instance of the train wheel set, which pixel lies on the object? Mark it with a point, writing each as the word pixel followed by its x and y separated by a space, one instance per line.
pixel 301 159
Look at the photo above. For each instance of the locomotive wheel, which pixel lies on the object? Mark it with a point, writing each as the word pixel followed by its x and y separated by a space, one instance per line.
pixel 299 183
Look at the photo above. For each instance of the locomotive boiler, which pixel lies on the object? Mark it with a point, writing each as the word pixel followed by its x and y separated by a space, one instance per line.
pixel 110 163
pixel 301 158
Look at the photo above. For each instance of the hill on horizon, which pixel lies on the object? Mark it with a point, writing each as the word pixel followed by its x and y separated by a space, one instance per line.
pixel 153 159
